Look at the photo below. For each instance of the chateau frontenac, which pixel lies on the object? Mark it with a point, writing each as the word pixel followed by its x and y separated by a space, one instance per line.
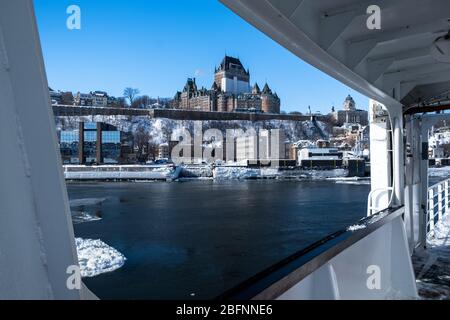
pixel 230 92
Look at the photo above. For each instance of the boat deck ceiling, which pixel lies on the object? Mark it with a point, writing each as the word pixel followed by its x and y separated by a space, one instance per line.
pixel 393 65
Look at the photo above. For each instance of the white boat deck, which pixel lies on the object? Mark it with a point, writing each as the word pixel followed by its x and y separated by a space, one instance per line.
pixel 432 266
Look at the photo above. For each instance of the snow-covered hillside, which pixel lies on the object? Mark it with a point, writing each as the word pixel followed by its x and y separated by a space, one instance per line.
pixel 160 130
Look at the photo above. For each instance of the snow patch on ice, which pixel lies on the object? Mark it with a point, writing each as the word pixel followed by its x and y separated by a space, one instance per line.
pixel 81 216
pixel 351 180
pixel 95 257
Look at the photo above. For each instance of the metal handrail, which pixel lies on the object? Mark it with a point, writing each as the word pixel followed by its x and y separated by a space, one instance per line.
pixel 370 208
pixel 438 204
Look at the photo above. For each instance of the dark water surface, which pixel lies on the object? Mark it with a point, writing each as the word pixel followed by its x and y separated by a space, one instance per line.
pixel 197 239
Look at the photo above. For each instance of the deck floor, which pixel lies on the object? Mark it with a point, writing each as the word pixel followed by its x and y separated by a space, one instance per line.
pixel 432 266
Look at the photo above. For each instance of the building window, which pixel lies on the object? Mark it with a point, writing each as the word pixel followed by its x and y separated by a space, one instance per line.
pixel 69 147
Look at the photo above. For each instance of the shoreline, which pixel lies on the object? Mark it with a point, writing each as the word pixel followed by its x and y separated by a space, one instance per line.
pixel 172 173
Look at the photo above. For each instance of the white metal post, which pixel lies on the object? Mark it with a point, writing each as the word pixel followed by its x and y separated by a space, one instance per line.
pixel 446 185
pixel 431 209
pixel 440 208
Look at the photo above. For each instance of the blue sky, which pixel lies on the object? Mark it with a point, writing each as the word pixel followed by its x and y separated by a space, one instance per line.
pixel 154 45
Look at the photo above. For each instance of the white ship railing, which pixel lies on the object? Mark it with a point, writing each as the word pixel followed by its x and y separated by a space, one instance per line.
pixel 341 266
pixel 438 204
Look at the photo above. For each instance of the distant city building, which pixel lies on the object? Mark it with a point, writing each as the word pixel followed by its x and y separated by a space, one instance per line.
pixel 230 92
pixel 55 96
pixel 99 99
pixel 61 98
pixel 83 99
pixel 164 151
pixel 349 114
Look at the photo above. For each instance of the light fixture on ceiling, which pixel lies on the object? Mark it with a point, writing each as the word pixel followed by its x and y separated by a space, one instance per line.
pixel 440 50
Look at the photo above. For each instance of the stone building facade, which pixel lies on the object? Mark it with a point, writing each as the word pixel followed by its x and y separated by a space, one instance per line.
pixel 349 114
pixel 230 92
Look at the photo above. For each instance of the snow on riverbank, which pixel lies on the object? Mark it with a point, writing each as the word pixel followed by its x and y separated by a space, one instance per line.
pixel 121 172
pixel 242 173
pixel 95 257
pixel 245 173
pixel 161 129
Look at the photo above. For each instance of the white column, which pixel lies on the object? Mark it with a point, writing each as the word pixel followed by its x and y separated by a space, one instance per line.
pixel 36 234
pixel 379 155
pixel 398 157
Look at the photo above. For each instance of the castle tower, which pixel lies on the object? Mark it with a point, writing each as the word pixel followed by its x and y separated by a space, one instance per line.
pixel 231 77
pixel 270 103
pixel 256 89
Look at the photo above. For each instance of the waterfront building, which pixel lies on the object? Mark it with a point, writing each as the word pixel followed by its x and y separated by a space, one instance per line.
pixel 319 154
pixel 230 92
pixel 320 158
pixel 92 143
pixel 164 151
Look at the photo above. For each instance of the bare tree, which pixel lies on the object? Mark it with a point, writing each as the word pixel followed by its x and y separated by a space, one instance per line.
pixel 119 103
pixel 141 139
pixel 141 102
pixel 153 150
pixel 130 94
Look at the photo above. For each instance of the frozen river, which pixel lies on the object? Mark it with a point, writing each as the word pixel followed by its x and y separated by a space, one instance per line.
pixel 197 239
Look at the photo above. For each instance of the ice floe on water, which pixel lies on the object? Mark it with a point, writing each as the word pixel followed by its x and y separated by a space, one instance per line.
pixel 351 180
pixel 96 257
pixel 86 202
pixel 82 216
pixel 439 171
